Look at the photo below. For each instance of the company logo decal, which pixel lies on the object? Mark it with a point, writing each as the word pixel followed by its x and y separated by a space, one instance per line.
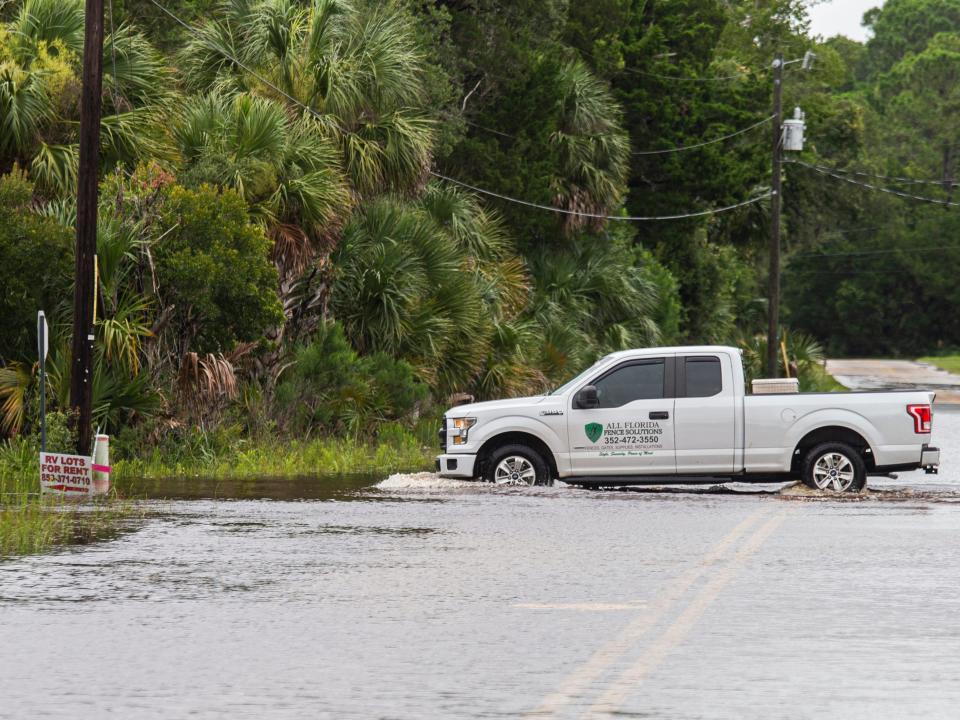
pixel 593 431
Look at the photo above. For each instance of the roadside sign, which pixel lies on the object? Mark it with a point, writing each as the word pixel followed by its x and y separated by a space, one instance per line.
pixel 43 346
pixel 65 474
pixel 43 336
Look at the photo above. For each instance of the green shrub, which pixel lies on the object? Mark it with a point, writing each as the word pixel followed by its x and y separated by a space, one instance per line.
pixel 35 272
pixel 214 267
pixel 331 388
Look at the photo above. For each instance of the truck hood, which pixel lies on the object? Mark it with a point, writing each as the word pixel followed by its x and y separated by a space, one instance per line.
pixel 482 408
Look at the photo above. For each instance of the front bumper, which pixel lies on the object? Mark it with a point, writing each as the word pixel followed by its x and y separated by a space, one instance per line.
pixel 930 460
pixel 456 466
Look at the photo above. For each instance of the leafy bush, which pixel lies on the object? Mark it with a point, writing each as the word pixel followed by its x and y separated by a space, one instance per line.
pixel 331 388
pixel 37 257
pixel 214 267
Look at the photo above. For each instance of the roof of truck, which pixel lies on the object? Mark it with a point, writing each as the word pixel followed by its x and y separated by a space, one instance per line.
pixel 685 349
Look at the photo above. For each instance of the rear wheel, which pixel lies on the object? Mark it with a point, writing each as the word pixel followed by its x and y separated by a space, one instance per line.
pixel 517 465
pixel 834 466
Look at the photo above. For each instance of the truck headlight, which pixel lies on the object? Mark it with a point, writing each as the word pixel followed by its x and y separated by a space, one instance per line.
pixel 461 428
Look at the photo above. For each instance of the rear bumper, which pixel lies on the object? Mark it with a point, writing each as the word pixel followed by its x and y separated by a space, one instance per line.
pixel 456 466
pixel 929 461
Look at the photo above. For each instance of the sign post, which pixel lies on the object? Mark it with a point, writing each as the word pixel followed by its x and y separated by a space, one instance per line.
pixel 43 344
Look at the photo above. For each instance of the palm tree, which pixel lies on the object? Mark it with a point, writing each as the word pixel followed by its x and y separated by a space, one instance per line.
pixel 40 52
pixel 594 150
pixel 283 167
pixel 358 71
pixel 591 297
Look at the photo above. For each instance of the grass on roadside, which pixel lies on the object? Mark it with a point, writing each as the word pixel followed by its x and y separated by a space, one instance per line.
pixel 31 524
pixel 281 458
pixel 950 363
pixel 819 380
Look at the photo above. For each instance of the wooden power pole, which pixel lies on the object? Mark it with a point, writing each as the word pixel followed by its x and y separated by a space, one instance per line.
pixel 81 369
pixel 773 306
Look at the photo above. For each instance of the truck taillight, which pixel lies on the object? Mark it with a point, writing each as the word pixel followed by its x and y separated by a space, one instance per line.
pixel 922 418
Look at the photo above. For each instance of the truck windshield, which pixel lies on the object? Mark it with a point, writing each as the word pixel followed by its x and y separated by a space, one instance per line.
pixel 570 383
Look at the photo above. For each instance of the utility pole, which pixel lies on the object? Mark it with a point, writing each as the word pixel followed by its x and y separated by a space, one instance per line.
pixel 773 305
pixel 81 368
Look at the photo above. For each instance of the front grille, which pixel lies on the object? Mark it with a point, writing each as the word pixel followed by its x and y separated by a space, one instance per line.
pixel 442 434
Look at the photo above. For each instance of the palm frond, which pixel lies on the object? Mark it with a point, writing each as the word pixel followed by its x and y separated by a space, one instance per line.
pixel 48 21
pixel 54 169
pixel 25 108
pixel 15 381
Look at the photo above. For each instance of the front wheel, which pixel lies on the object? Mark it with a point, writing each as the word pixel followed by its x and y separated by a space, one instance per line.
pixel 517 465
pixel 834 466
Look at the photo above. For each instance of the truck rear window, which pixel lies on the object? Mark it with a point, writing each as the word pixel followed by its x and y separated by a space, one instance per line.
pixel 704 378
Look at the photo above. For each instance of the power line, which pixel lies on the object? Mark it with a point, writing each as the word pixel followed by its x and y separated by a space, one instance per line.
pixel 892 178
pixel 625 218
pixel 705 79
pixel 908 196
pixel 876 252
pixel 712 78
pixel 490 193
pixel 683 148
pixel 489 129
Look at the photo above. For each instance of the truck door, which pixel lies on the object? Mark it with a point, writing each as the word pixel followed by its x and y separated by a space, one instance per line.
pixel 705 410
pixel 630 432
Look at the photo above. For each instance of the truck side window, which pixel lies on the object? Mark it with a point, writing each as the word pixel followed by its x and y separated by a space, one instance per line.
pixel 703 377
pixel 636 381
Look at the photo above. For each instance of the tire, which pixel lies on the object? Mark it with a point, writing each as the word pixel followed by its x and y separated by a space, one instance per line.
pixel 517 465
pixel 834 466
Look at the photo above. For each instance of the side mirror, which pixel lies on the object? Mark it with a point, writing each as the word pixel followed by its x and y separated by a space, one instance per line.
pixel 587 398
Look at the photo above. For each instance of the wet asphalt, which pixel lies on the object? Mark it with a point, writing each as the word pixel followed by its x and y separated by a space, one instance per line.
pixel 416 597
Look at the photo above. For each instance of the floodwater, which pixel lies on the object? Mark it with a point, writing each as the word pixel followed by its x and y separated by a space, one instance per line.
pixel 414 597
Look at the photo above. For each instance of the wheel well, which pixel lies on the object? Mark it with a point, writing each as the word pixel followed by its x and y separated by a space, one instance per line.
pixel 514 438
pixel 832 434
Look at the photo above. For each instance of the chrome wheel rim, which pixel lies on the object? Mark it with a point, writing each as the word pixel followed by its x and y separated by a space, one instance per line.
pixel 833 471
pixel 515 470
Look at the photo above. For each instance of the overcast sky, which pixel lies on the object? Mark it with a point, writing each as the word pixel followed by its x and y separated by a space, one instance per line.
pixel 841 17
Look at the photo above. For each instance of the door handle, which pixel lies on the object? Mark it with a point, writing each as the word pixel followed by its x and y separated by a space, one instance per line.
pixel 661 415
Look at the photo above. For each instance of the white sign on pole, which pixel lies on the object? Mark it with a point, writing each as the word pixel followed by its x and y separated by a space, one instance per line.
pixel 65 474
pixel 43 335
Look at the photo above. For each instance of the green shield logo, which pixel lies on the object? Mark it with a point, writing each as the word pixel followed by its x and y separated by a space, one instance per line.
pixel 593 431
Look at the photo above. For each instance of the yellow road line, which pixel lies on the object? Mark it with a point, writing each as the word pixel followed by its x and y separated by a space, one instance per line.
pixel 620 690
pixel 595 606
pixel 573 685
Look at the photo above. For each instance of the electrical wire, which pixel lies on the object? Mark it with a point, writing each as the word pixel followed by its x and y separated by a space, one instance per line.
pixel 714 78
pixel 638 71
pixel 892 178
pixel 488 129
pixel 624 218
pixel 490 193
pixel 113 53
pixel 908 196
pixel 683 148
pixel 891 251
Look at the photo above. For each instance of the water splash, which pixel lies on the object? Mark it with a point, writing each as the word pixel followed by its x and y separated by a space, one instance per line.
pixel 424 481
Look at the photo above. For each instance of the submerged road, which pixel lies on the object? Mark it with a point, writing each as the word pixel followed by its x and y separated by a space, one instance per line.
pixel 416 597
pixel 896 375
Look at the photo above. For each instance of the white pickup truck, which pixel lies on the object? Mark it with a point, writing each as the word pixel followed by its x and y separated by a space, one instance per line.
pixel 682 414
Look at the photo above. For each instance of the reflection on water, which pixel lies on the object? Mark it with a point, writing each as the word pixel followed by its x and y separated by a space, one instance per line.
pixel 305 487
pixel 356 597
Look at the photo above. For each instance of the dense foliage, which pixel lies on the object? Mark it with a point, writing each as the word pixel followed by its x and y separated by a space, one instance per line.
pixel 281 246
